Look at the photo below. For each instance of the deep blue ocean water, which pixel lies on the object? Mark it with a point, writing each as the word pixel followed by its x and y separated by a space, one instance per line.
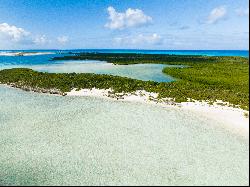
pixel 243 53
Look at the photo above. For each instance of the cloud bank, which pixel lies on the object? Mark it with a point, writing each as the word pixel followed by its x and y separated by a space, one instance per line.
pixel 13 36
pixel 13 33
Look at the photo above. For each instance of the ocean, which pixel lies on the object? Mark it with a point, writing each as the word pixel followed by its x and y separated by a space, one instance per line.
pixel 243 53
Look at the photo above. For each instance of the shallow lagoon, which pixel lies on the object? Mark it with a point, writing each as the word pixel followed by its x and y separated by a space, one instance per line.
pixel 137 71
pixel 43 63
pixel 54 140
pixel 144 72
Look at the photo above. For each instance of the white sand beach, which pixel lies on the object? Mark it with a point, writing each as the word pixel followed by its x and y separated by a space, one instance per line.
pixel 235 119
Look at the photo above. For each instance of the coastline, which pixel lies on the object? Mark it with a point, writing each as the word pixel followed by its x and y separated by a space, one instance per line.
pixel 234 119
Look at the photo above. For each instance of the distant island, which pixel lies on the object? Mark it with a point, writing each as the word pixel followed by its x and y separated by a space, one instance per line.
pixel 23 53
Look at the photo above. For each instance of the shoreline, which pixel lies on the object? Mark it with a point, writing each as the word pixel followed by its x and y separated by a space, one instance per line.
pixel 234 119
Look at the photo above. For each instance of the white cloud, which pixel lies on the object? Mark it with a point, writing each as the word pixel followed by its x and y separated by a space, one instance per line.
pixel 62 39
pixel 153 39
pixel 12 36
pixel 130 18
pixel 242 12
pixel 217 14
pixel 13 33
pixel 40 40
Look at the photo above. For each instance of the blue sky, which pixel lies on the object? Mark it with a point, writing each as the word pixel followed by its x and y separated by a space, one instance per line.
pixel 124 24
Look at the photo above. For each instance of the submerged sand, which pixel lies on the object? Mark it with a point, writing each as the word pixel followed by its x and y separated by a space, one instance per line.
pixel 54 140
pixel 235 119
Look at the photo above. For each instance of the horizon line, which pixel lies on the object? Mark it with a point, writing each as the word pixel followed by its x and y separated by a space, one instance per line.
pixel 131 49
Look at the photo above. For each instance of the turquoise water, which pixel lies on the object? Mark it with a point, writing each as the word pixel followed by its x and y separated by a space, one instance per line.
pixel 137 71
pixel 54 140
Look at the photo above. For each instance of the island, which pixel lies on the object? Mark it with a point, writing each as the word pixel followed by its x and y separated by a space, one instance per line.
pixel 201 78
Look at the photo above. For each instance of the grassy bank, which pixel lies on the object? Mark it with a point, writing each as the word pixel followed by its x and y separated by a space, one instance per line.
pixel 205 78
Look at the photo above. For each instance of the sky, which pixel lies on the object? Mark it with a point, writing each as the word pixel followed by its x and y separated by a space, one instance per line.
pixel 124 24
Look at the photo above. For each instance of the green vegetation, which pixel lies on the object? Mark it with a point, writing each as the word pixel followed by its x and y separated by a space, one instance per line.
pixel 204 78
pixel 225 80
pixel 23 77
pixel 130 58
